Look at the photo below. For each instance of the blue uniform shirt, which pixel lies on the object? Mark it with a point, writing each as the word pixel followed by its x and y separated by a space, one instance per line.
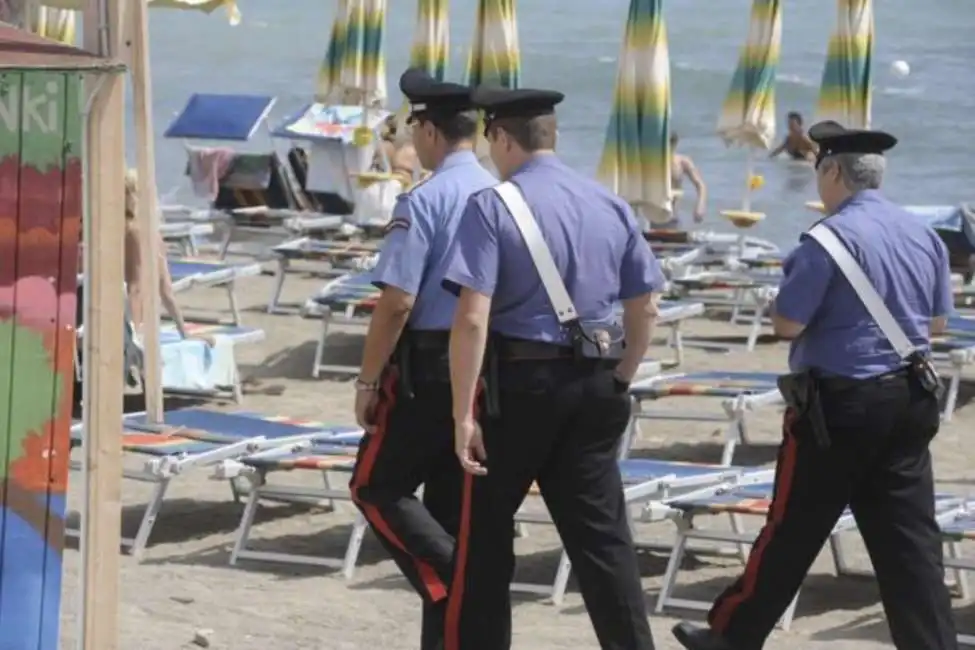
pixel 413 255
pixel 594 239
pixel 908 265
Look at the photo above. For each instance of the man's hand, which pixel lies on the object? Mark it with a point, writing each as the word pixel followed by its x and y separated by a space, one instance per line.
pixel 469 445
pixel 365 409
pixel 699 213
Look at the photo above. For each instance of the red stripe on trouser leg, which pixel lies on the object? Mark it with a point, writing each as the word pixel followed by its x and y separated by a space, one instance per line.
pixel 435 587
pixel 456 596
pixel 720 616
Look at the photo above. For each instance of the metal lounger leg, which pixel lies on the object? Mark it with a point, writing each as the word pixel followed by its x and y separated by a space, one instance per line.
pixel 359 527
pixel 247 517
pixel 328 489
pixel 952 398
pixel 737 296
pixel 227 239
pixel 677 343
pixel 320 347
pixel 272 305
pixel 234 307
pixel 738 525
pixel 149 519
pixel 684 524
pixel 961 575
pixel 561 583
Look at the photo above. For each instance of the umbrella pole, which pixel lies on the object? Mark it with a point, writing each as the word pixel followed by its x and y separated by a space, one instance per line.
pixel 746 201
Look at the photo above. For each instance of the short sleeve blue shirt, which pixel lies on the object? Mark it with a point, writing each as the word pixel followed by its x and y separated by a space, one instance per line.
pixel 592 234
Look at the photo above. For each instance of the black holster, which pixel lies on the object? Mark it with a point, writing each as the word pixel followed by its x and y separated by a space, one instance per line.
pixel 490 380
pixel 800 390
pixel 925 374
pixel 601 341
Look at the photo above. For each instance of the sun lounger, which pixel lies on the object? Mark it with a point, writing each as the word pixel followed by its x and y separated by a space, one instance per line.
pixel 182 235
pixel 341 257
pixel 739 501
pixel 194 438
pixel 644 481
pixel 188 273
pixel 740 394
pixel 958 528
pixel 349 301
pixel 749 299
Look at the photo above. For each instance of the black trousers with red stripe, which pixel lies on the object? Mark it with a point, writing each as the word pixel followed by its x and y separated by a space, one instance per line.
pixel 413 446
pixel 560 425
pixel 879 465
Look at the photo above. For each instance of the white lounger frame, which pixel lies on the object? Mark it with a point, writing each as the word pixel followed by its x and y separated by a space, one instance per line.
pixel 736 410
pixel 742 539
pixel 348 318
pixel 159 471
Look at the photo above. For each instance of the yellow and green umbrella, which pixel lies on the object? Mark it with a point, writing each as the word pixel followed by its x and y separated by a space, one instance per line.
pixel 431 38
pixel 495 57
pixel 748 114
pixel 635 162
pixel 56 24
pixel 844 95
pixel 363 72
pixel 331 68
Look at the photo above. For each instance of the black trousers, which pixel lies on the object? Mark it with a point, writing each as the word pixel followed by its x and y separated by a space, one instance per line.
pixel 413 445
pixel 879 464
pixel 559 425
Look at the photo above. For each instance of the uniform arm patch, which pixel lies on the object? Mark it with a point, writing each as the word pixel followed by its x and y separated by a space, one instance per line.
pixel 394 223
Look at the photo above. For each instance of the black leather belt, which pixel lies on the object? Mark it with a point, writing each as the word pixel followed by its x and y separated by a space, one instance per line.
pixel 524 350
pixel 428 339
pixel 846 383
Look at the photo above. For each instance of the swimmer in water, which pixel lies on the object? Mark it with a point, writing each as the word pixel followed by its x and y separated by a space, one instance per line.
pixel 682 166
pixel 797 144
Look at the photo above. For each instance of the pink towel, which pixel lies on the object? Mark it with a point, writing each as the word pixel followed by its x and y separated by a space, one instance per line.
pixel 207 166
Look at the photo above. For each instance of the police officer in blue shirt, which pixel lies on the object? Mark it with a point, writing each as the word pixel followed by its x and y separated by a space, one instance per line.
pixel 403 390
pixel 553 413
pixel 876 414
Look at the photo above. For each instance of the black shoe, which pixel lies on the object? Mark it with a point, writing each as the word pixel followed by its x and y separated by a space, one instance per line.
pixel 694 637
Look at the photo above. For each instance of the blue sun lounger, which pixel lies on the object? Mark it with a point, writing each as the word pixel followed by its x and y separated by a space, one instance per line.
pixel 645 481
pixel 194 438
pixel 340 258
pixel 738 501
pixel 193 273
pixel 740 393
pixel 960 528
pixel 350 299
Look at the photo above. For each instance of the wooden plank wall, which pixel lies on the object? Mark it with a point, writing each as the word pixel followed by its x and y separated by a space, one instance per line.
pixel 40 224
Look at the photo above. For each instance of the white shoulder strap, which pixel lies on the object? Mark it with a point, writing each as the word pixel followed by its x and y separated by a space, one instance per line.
pixel 864 289
pixel 541 255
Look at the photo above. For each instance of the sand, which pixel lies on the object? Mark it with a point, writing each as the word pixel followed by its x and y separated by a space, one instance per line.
pixel 185 583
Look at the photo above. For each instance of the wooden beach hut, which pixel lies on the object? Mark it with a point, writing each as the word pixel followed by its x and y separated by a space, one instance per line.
pixel 61 113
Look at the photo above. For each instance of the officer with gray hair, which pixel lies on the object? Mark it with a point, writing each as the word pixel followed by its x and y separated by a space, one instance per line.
pixel 860 298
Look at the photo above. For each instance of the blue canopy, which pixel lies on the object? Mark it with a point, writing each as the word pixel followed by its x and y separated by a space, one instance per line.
pixel 955 224
pixel 220 117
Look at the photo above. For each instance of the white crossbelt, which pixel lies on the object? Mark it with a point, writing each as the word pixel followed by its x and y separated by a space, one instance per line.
pixel 864 288
pixel 558 295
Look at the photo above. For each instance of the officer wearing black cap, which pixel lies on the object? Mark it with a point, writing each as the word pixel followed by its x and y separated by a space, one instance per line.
pixel 862 411
pixel 403 390
pixel 541 263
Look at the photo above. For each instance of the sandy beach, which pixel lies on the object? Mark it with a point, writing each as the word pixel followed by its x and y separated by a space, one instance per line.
pixel 185 583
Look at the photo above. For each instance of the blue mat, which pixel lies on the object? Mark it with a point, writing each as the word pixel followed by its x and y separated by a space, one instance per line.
pixel 646 469
pixel 228 427
pixel 220 117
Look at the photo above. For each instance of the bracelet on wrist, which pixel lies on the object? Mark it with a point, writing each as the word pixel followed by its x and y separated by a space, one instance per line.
pixel 366 386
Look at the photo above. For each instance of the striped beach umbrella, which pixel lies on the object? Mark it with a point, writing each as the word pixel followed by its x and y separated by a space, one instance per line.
pixel 495 57
pixel 844 95
pixel 330 69
pixel 363 68
pixel 56 24
pixel 635 162
pixel 748 113
pixel 431 38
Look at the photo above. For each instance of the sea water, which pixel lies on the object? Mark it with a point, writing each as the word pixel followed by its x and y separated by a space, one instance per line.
pixel 573 45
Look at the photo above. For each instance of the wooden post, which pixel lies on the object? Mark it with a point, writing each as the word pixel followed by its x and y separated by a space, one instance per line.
pixel 103 353
pixel 148 211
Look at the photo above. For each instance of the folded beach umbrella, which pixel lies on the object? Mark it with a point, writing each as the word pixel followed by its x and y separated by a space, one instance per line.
pixel 363 67
pixel 495 57
pixel 431 38
pixel 748 114
pixel 635 162
pixel 331 68
pixel 56 24
pixel 844 95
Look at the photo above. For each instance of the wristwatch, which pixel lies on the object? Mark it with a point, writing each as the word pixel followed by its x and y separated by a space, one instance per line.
pixel 366 386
